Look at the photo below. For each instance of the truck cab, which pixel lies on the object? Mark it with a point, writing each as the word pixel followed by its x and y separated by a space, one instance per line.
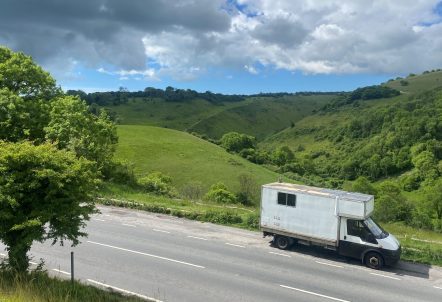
pixel 366 240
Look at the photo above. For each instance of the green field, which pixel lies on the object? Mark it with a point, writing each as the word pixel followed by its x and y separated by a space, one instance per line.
pixel 184 157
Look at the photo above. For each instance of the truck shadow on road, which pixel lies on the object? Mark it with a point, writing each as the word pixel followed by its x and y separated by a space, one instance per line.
pixel 402 268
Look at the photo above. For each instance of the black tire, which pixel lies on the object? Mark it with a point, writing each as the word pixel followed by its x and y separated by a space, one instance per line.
pixel 282 242
pixel 374 260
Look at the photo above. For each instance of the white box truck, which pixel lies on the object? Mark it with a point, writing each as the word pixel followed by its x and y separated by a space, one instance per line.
pixel 334 219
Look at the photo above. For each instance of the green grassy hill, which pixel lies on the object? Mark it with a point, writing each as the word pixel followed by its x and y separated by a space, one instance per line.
pixel 184 157
pixel 417 84
pixel 161 113
pixel 257 116
pixel 261 116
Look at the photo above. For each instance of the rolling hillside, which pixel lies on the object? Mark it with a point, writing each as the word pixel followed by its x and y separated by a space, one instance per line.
pixel 184 157
pixel 257 116
pixel 261 116
pixel 167 114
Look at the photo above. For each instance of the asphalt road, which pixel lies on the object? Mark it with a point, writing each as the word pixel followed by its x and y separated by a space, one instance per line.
pixel 173 259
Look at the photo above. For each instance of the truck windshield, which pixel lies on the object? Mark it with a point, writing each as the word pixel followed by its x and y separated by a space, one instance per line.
pixel 376 230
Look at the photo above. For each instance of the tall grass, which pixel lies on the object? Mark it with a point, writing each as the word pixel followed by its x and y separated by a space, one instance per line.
pixel 37 286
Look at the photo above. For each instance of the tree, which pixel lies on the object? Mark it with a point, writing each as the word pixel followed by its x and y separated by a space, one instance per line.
pixel 282 156
pixel 361 185
pixel 15 120
pixel 235 142
pixel 45 193
pixel 71 126
pixel 434 196
pixel 23 77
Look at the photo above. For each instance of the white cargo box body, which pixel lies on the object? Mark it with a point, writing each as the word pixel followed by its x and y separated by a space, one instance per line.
pixel 316 213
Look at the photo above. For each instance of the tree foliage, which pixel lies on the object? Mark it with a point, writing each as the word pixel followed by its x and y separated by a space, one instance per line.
pixel 51 152
pixel 45 194
pixel 220 194
pixel 235 142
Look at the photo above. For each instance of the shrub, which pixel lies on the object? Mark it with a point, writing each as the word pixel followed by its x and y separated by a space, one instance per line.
pixel 157 183
pixel 391 205
pixel 235 142
pixel 120 172
pixel 252 221
pixel 219 193
pixel 192 190
pixel 248 189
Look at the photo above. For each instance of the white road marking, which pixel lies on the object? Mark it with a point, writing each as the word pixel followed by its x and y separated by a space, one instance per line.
pixel 129 225
pixel 123 290
pixel 33 263
pixel 97 219
pixel 107 215
pixel 385 276
pixel 237 245
pixel 314 294
pixel 279 254
pixel 437 287
pixel 162 231
pixel 3 255
pixel 329 264
pixel 60 271
pixel 145 254
pixel 197 238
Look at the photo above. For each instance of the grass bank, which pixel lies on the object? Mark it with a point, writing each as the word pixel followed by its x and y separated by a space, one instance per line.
pixel 39 287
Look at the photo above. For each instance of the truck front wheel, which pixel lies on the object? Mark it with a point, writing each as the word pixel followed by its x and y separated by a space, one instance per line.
pixel 282 242
pixel 374 260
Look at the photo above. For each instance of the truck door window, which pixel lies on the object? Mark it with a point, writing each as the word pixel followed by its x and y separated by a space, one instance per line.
pixel 355 228
pixel 287 199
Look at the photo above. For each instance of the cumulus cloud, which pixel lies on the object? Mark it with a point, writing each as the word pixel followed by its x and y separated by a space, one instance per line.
pixel 184 39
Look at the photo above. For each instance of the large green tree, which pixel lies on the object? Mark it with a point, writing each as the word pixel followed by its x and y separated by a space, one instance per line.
pixel 45 193
pixel 52 149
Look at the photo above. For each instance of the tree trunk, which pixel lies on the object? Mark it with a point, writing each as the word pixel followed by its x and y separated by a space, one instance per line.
pixel 17 253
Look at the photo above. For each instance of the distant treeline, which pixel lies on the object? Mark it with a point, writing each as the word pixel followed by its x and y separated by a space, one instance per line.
pixel 365 93
pixel 302 93
pixel 172 94
pixel 169 94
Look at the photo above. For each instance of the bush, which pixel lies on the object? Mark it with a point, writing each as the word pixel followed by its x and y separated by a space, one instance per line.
pixel 391 205
pixel 252 221
pixel 220 194
pixel 119 172
pixel 248 189
pixel 192 190
pixel 235 142
pixel 157 183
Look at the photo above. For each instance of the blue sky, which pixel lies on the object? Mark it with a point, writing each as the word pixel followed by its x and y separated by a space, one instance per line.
pixel 229 82
pixel 227 46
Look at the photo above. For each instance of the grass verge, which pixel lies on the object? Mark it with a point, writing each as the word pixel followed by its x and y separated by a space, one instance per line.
pixel 37 286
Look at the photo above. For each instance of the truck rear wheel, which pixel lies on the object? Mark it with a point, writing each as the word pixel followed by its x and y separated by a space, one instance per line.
pixel 374 260
pixel 282 242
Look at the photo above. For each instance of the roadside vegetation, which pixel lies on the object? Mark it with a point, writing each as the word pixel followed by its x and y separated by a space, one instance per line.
pixel 38 287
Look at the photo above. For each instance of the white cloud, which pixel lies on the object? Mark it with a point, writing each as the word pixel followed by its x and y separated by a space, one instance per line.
pixel 251 69
pixel 185 39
